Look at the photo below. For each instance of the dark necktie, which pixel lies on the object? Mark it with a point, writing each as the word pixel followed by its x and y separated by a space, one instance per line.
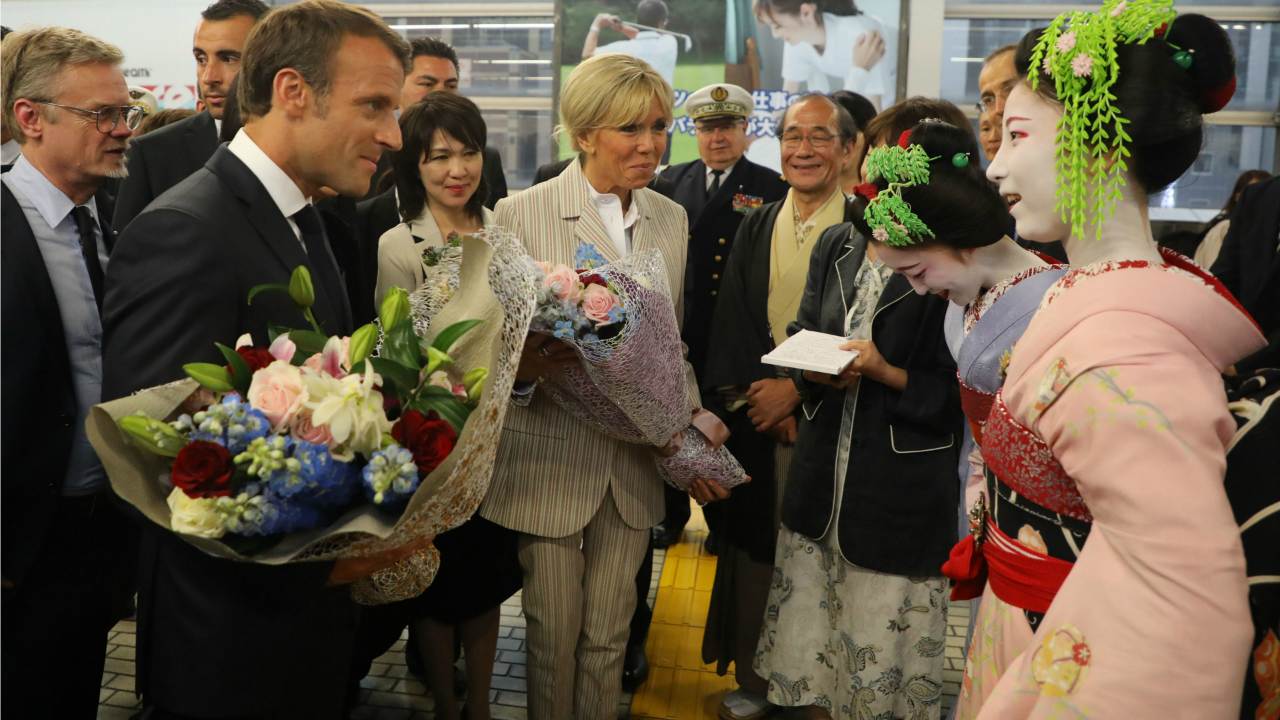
pixel 715 183
pixel 89 249
pixel 326 275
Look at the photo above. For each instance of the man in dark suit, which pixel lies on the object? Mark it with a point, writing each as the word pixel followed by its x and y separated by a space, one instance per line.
pixel 1249 265
pixel 222 639
pixel 68 552
pixel 164 158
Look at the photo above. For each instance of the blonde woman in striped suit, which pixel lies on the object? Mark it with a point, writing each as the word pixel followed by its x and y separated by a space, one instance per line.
pixel 582 502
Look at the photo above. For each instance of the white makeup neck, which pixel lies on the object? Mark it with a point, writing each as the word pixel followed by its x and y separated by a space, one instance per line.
pixel 1126 235
pixel 1003 259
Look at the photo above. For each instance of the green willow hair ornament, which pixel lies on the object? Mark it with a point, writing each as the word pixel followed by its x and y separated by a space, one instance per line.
pixel 890 217
pixel 1078 51
pixel 960 160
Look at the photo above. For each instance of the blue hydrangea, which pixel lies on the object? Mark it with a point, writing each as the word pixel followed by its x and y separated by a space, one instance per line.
pixel 564 329
pixel 327 481
pixel 616 315
pixel 391 476
pixel 232 423
pixel 256 511
pixel 588 257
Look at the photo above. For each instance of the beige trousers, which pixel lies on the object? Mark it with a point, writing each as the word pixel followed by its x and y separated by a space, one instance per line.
pixel 579 594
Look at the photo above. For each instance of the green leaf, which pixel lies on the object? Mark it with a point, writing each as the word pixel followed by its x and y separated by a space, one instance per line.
pixel 241 375
pixel 214 377
pixel 401 345
pixel 309 342
pixel 270 287
pixel 403 379
pixel 450 335
pixel 451 409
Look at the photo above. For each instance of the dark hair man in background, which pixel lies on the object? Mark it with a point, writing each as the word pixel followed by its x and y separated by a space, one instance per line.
pixel 166 157
pixel 319 85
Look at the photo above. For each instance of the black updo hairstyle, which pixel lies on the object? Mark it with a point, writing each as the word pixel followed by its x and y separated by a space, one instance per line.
pixel 1164 104
pixel 961 207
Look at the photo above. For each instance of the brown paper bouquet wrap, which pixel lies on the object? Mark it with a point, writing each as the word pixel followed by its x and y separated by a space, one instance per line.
pixel 494 284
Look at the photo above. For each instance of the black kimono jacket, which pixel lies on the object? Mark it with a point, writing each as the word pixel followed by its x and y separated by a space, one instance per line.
pixel 739 336
pixel 898 513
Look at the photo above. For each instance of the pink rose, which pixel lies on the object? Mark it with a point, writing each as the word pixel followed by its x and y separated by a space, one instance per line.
pixel 278 391
pixel 441 379
pixel 597 301
pixel 304 430
pixel 564 282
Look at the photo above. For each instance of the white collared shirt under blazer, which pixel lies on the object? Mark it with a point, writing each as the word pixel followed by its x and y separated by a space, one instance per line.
pixel 552 469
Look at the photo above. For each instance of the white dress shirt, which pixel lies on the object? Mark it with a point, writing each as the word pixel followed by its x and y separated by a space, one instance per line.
pixel 282 189
pixel 724 175
pixel 10 152
pixel 617 223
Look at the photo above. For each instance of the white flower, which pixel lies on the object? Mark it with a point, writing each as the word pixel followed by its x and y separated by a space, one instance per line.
pixel 351 408
pixel 194 516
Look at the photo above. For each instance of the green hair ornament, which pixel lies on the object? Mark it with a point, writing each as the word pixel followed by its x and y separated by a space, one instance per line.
pixel 890 217
pixel 1078 51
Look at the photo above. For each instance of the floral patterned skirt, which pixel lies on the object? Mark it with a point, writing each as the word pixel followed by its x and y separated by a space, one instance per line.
pixel 861 643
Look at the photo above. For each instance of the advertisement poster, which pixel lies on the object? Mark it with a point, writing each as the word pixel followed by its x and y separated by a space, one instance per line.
pixel 682 39
pixel 157 58
pixel 780 48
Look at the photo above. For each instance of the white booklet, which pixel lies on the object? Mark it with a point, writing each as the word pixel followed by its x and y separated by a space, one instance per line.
pixel 808 350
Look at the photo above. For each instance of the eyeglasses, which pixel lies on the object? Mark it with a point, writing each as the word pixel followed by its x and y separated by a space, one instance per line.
pixel 817 141
pixel 108 117
pixel 987 105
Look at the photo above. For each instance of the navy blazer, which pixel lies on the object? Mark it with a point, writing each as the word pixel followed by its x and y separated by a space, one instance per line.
pixel 38 405
pixel 713 225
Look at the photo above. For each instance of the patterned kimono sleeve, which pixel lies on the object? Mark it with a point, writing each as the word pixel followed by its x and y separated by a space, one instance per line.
pixel 1153 620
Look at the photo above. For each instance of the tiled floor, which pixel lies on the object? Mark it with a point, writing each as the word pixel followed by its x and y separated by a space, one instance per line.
pixel 680 687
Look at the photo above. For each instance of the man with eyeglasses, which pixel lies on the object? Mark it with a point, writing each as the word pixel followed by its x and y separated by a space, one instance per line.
pixel 164 158
pixel 67 551
pixel 763 282
pixel 995 82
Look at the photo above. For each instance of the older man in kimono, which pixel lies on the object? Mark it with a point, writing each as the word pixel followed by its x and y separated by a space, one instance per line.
pixel 764 279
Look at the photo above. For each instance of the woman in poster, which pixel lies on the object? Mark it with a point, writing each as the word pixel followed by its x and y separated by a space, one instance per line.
pixel 829 37
pixel 1109 561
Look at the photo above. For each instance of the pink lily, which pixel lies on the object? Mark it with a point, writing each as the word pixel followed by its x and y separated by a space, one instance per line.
pixel 283 348
pixel 331 360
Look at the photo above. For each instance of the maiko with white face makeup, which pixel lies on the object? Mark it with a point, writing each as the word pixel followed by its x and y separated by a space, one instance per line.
pixel 1102 451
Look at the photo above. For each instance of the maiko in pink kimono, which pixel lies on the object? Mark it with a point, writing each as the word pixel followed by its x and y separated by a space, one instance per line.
pixel 1109 563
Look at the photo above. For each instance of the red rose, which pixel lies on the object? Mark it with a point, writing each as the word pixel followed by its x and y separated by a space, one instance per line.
pixel 590 278
pixel 203 469
pixel 255 358
pixel 429 438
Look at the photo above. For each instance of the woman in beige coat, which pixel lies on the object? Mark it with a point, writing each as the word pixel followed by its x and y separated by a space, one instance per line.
pixel 439 186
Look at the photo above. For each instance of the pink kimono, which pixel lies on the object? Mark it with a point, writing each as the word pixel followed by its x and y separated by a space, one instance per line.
pixel 1111 428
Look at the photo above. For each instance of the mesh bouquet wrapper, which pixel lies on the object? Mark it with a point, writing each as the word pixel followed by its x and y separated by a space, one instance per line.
pixel 633 385
pixel 494 284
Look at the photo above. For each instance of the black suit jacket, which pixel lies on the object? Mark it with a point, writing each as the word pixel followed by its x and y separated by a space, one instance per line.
pixel 38 405
pixel 1250 266
pixel 161 159
pixel 373 218
pixel 713 225
pixel 216 637
pixel 900 493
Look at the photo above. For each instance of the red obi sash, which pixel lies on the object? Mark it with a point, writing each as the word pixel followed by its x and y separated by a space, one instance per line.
pixel 1019 575
pixel 977 407
pixel 1027 465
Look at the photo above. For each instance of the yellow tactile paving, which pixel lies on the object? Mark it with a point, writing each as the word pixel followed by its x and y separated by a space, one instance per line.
pixel 680 686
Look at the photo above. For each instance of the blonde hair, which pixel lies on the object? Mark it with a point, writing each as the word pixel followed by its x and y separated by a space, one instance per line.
pixel 31 65
pixel 610 91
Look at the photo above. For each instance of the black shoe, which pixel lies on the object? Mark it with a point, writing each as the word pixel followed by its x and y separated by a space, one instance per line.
pixel 712 543
pixel 664 536
pixel 635 666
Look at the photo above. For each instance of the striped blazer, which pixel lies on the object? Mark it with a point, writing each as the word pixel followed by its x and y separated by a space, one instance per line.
pixel 552 469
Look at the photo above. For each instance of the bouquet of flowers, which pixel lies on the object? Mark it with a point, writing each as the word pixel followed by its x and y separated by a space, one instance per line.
pixel 631 382
pixel 314 448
